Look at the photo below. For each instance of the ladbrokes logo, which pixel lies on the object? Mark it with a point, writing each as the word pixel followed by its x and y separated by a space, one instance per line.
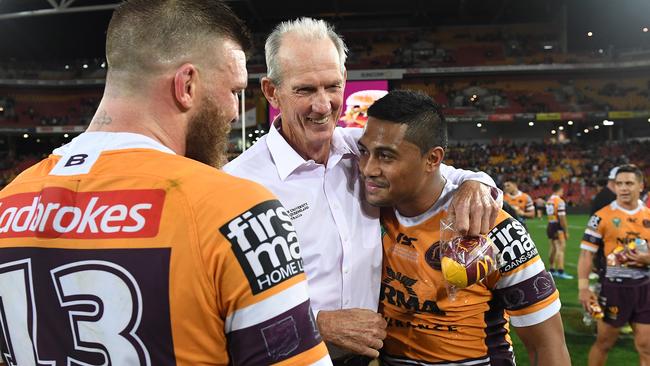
pixel 62 213
pixel 265 244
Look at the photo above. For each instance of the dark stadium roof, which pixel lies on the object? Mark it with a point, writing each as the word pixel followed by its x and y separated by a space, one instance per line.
pixel 29 29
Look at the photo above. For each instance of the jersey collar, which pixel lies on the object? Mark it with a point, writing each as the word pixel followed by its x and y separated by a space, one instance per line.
pixel 440 205
pixel 103 141
pixel 639 207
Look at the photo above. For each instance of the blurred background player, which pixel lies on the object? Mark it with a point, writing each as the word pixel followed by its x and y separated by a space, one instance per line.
pixel 625 285
pixel 520 201
pixel 401 149
pixel 557 232
pixel 165 253
pixel 606 195
pixel 540 207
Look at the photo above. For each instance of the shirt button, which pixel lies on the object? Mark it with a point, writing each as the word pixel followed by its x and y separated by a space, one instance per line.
pixel 345 270
pixel 347 302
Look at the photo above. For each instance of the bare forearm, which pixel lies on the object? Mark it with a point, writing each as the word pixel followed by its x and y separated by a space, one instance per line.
pixel 529 214
pixel 584 264
pixel 541 356
pixel 563 223
pixel 545 342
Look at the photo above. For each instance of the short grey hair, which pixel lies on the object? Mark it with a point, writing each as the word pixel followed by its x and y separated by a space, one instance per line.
pixel 306 28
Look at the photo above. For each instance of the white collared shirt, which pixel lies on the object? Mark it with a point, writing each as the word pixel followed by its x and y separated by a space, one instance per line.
pixel 339 233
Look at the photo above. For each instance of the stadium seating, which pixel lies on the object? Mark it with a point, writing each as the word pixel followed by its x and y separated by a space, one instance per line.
pixel 536 166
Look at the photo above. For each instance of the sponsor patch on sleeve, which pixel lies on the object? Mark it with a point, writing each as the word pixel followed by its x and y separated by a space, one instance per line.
pixel 281 338
pixel 265 244
pixel 514 243
pixel 527 292
pixel 593 223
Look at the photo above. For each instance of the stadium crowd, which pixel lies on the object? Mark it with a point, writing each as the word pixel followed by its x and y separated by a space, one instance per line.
pixel 523 44
pixel 581 168
pixel 20 108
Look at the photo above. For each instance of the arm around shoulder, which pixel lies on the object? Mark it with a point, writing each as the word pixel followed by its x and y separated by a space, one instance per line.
pixel 459 176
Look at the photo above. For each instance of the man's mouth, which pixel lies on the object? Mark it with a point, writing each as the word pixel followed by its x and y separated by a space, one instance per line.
pixel 319 121
pixel 374 186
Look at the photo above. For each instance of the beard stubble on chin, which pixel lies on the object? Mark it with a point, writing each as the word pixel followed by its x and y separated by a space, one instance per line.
pixel 207 136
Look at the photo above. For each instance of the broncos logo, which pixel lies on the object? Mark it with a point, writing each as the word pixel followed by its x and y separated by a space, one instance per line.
pixel 432 256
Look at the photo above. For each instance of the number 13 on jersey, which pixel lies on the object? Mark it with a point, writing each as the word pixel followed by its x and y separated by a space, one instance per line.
pixel 99 301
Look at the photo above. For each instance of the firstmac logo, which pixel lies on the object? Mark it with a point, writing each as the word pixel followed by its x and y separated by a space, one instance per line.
pixel 265 244
pixel 61 213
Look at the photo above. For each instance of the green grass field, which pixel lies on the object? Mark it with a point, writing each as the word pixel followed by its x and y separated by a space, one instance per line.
pixel 579 338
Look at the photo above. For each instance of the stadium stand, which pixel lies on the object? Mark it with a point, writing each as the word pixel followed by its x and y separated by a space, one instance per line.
pixel 536 166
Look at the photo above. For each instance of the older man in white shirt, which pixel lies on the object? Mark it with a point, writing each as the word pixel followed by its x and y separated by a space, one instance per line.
pixel 312 167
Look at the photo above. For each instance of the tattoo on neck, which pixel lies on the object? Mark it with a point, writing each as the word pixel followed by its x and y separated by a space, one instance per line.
pixel 102 119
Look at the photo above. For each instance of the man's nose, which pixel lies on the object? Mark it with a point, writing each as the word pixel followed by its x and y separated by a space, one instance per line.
pixel 322 103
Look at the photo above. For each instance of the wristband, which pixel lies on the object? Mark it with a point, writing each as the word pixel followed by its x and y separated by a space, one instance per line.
pixel 583 283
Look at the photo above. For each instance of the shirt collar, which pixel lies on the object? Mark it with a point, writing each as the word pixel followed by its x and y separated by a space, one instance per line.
pixel 287 160
pixel 638 208
pixel 98 140
pixel 285 157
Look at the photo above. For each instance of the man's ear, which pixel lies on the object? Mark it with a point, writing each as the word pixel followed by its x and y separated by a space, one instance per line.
pixel 434 158
pixel 186 85
pixel 269 89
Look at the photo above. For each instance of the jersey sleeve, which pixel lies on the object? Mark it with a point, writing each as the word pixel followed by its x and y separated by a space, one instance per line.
pixel 593 238
pixel 561 207
pixel 523 286
pixel 530 206
pixel 261 289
